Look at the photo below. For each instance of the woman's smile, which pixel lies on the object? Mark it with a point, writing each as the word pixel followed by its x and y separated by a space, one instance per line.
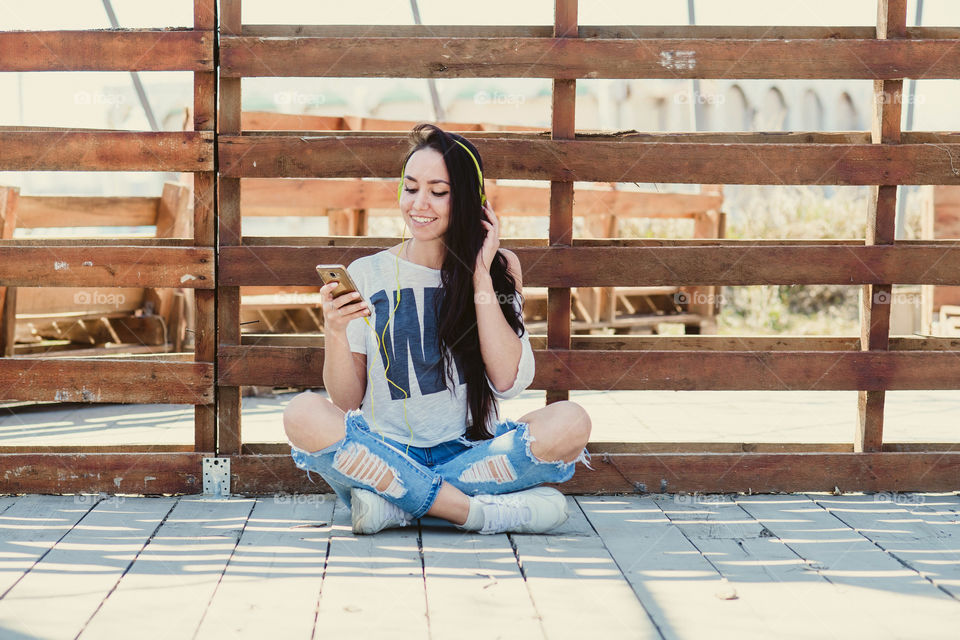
pixel 422 221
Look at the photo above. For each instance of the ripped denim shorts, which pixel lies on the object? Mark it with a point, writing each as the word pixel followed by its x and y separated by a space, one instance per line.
pixel 410 477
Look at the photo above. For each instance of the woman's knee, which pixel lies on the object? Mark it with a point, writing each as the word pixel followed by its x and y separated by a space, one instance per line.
pixel 579 423
pixel 561 431
pixel 311 421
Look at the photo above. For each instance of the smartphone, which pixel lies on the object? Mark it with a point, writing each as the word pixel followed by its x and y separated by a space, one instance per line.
pixel 337 272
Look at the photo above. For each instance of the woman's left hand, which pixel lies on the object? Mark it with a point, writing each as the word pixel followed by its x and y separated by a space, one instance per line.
pixel 490 244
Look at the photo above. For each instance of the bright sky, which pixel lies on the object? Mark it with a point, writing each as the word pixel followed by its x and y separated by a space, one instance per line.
pixel 90 14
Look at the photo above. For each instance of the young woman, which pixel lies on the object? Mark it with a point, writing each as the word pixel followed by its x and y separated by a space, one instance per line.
pixel 415 364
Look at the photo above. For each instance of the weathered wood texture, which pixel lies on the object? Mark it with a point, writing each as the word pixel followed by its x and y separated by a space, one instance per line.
pixel 327 156
pixel 99 266
pixel 106 151
pixel 651 369
pixel 140 472
pixel 668 342
pixel 563 52
pixel 682 472
pixel 205 229
pixel 571 58
pixel 880 229
pixel 563 125
pixel 163 264
pixel 106 380
pixel 107 50
pixel 630 32
pixel 559 266
pixel 229 234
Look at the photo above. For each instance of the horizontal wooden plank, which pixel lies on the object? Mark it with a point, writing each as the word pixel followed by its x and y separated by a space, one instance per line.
pixel 326 156
pixel 767 472
pixel 81 241
pixel 264 474
pixel 375 243
pixel 139 473
pixel 389 241
pixel 668 342
pixel 572 58
pixel 99 448
pixel 751 32
pixel 586 135
pixel 611 266
pixel 610 370
pixel 312 197
pixel 107 50
pixel 755 447
pixel 35 212
pixel 107 266
pixel 155 352
pixel 664 447
pixel 106 151
pixel 679 472
pixel 106 380
pixel 127 350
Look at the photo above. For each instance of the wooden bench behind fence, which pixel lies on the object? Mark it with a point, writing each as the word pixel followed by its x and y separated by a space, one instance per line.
pixel 129 320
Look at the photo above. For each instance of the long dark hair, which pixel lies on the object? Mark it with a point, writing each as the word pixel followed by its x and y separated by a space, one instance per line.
pixel 456 314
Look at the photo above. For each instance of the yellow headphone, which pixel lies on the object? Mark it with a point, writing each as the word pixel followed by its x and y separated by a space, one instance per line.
pixel 380 338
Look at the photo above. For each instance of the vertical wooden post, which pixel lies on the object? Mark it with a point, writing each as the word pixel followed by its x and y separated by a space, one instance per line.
pixel 881 229
pixel 204 232
pixel 228 225
pixel 9 196
pixel 561 192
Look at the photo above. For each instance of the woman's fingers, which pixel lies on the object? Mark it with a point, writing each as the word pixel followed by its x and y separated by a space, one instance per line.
pixel 326 291
pixel 348 299
pixel 350 309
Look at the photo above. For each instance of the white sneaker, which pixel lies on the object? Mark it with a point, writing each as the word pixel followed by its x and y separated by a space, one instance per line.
pixel 533 510
pixel 372 513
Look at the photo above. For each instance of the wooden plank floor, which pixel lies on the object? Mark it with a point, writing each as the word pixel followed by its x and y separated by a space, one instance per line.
pixel 638 566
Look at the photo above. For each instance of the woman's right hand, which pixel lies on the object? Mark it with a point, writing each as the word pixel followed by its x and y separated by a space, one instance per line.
pixel 339 311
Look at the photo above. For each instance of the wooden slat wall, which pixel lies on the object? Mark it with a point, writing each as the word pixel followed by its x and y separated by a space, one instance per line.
pixel 882 158
pixel 870 365
pixel 167 263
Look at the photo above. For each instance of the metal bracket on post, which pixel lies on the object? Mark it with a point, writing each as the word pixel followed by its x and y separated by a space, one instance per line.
pixel 216 477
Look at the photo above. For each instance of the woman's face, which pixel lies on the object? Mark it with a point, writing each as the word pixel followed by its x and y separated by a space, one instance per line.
pixel 425 200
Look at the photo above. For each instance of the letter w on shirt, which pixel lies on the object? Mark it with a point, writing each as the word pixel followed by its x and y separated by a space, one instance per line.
pixel 407 341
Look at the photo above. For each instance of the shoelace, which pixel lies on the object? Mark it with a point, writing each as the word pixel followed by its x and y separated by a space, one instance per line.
pixel 504 515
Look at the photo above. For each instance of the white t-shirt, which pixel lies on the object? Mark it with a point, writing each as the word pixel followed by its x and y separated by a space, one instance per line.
pixel 436 412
